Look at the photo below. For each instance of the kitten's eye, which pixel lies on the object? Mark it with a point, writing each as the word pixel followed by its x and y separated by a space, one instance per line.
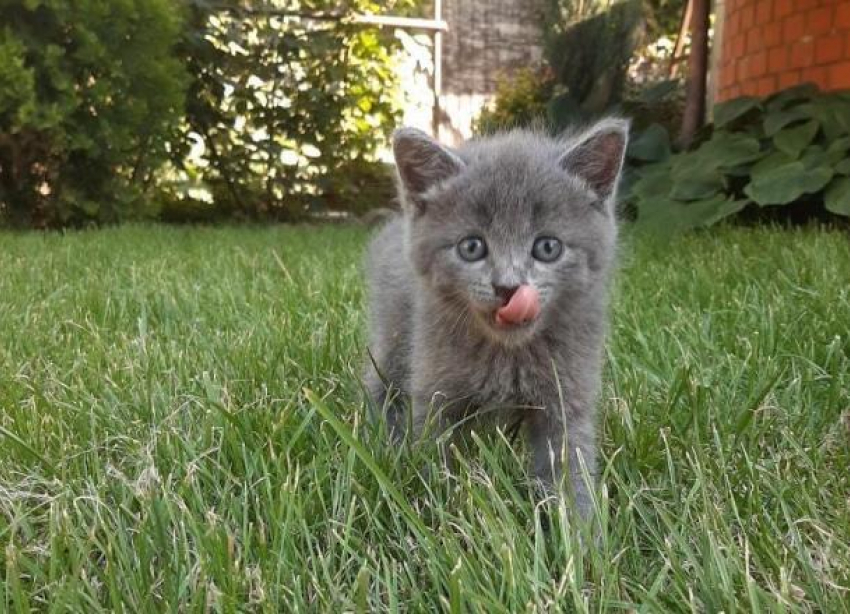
pixel 547 249
pixel 472 249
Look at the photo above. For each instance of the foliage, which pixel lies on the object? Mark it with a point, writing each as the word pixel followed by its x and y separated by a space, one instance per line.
pixel 655 104
pixel 662 16
pixel 590 59
pixel 520 101
pixel 158 452
pixel 588 47
pixel 792 147
pixel 89 94
pixel 280 105
pixel 560 15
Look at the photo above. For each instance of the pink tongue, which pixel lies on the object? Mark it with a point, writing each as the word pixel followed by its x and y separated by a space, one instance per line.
pixel 523 306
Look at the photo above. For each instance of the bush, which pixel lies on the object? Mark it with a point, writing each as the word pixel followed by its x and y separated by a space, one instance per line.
pixel 283 108
pixel 521 101
pixel 590 60
pixel 792 148
pixel 89 94
pixel 587 48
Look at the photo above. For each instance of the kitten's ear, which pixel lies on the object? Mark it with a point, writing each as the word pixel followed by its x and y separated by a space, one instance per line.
pixel 597 155
pixel 422 162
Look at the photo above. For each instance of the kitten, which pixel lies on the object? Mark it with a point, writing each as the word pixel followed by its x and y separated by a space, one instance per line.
pixel 489 290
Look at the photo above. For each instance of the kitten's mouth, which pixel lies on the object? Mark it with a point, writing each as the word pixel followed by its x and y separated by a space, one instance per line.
pixel 521 308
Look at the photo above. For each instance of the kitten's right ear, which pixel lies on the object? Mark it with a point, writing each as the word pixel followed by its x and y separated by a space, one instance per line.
pixel 597 156
pixel 422 162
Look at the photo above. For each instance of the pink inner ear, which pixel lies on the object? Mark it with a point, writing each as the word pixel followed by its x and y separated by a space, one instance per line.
pixel 598 160
pixel 422 161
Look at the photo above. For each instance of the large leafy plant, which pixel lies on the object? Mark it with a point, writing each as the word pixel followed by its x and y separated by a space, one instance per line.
pixel 790 148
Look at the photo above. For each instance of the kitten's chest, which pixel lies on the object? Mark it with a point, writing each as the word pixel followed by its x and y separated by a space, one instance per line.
pixel 511 379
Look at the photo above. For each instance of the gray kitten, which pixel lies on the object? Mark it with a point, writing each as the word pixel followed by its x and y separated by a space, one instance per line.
pixel 489 290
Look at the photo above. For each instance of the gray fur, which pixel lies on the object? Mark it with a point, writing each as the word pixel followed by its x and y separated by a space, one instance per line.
pixel 431 332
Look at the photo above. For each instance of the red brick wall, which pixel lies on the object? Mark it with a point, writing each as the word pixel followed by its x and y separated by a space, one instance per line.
pixel 769 45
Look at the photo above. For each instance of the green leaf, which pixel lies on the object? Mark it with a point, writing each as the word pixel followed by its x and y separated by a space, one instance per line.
pixel 697 184
pixel 719 209
pixel 658 92
pixel 653 183
pixel 838 150
pixel 832 113
pixel 798 93
pixel 837 197
pixel 792 141
pixel 667 216
pixel 775 122
pixel 815 156
pixel 651 145
pixel 843 167
pixel 770 162
pixel 727 112
pixel 786 183
pixel 728 150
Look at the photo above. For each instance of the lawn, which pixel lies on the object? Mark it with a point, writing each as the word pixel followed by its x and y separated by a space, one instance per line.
pixel 181 429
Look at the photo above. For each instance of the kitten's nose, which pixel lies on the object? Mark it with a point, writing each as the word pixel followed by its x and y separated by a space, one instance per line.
pixel 505 292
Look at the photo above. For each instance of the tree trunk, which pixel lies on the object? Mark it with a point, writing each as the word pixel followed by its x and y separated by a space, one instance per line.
pixel 694 113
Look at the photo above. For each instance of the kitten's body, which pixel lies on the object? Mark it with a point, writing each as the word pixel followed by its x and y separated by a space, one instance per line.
pixel 432 335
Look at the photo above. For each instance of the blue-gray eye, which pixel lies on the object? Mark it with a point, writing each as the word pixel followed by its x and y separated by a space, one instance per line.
pixel 472 249
pixel 547 249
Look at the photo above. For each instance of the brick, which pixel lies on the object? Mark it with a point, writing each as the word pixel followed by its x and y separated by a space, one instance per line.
pixel 727 75
pixel 782 8
pixel 803 54
pixel 738 45
pixel 748 88
pixel 742 71
pixel 777 60
pixel 839 76
pixel 758 64
pixel 830 48
pixel 772 34
pixel 726 55
pixel 819 20
pixel 755 40
pixel 764 11
pixel 789 78
pixel 842 15
pixel 732 24
pixel 766 86
pixel 805 5
pixel 819 75
pixel 793 29
pixel 748 15
pixel 734 91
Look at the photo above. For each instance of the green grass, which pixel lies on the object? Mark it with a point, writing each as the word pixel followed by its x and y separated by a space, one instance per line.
pixel 182 430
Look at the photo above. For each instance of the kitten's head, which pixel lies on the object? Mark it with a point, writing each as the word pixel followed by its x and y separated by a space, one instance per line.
pixel 509 227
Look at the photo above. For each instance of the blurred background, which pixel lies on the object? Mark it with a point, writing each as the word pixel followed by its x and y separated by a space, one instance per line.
pixel 280 110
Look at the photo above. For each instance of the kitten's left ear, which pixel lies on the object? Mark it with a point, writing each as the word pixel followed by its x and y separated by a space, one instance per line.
pixel 597 156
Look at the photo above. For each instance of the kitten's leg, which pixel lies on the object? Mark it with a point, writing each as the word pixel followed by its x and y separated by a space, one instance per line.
pixel 557 436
